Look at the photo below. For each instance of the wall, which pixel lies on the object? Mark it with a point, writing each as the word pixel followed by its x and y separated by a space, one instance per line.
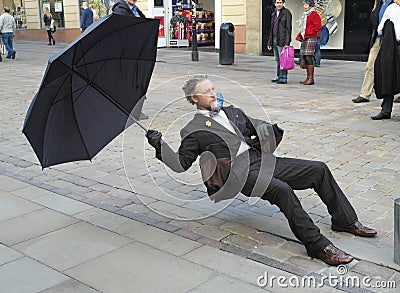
pixel 253 27
pixel 234 11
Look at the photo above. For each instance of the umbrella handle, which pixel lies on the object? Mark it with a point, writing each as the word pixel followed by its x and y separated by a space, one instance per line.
pixel 140 124
pixel 143 127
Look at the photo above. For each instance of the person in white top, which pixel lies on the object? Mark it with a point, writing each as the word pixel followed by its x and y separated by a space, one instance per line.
pixel 393 14
pixel 7 30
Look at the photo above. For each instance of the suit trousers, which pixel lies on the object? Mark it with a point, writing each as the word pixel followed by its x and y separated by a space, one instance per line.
pixel 368 83
pixel 295 174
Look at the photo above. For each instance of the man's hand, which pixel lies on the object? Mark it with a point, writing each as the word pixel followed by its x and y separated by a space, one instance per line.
pixel 154 139
pixel 262 131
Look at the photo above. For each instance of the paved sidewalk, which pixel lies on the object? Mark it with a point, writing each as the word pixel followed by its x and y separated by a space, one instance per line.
pixel 124 223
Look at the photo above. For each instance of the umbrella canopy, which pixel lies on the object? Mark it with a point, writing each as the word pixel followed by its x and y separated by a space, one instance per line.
pixel 90 88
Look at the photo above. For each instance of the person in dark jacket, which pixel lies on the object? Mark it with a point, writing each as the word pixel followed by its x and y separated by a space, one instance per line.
pixel 233 159
pixel 87 17
pixel 387 67
pixel 368 82
pixel 280 36
pixel 129 8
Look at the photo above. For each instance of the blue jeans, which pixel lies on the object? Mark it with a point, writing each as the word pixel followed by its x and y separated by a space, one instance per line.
pixel 317 53
pixel 7 39
pixel 281 74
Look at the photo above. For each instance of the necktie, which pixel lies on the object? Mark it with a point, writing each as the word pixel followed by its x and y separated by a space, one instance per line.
pixel 135 12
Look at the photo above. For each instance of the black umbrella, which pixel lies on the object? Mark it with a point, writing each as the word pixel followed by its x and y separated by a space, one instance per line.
pixel 90 89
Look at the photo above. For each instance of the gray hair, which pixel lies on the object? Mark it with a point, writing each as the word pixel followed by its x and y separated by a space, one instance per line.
pixel 189 87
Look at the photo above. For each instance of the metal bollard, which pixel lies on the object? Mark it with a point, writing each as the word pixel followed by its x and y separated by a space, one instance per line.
pixel 397 231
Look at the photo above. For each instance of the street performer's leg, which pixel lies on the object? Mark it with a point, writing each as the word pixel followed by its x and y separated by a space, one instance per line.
pixel 281 194
pixel 304 174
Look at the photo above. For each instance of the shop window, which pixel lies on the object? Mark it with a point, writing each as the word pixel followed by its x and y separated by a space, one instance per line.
pixel 56 9
pixel 17 9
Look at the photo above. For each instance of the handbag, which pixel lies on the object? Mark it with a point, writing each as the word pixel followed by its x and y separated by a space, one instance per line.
pixel 53 27
pixel 286 58
pixel 3 49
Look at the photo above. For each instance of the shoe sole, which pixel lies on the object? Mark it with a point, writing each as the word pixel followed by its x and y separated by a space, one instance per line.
pixel 384 118
pixel 338 229
pixel 336 263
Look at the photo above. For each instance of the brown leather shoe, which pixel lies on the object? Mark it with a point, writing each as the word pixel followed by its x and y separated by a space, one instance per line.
pixel 334 256
pixel 357 229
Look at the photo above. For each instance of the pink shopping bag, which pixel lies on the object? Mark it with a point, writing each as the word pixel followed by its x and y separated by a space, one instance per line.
pixel 287 58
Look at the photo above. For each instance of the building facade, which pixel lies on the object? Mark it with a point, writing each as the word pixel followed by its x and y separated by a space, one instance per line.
pixel 346 21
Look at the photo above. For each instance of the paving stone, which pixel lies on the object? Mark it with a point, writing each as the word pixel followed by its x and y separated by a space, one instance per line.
pixel 273 252
pixel 238 229
pixel 123 269
pixel 232 265
pixel 165 241
pixel 7 254
pixel 224 283
pixel 370 269
pixel 28 276
pixel 306 263
pixel 62 204
pixel 240 241
pixel 13 206
pixel 71 246
pixel 295 248
pixel 31 225
pixel 109 221
pixel 10 184
pixel 70 286
pixel 212 232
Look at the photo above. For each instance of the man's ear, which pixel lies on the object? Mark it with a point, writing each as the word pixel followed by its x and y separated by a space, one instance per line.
pixel 195 99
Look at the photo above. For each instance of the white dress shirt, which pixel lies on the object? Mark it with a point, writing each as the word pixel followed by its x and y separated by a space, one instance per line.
pixel 222 119
pixel 392 12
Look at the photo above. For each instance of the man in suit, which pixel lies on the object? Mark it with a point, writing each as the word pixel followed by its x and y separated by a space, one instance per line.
pixel 87 17
pixel 129 8
pixel 280 36
pixel 233 146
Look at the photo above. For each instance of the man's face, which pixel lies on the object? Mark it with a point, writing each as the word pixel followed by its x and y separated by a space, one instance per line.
pixel 279 4
pixel 306 6
pixel 131 2
pixel 205 96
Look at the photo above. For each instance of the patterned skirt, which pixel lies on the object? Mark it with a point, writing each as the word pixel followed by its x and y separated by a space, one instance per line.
pixel 308 47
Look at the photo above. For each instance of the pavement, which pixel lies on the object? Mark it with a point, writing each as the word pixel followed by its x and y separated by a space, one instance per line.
pixel 125 223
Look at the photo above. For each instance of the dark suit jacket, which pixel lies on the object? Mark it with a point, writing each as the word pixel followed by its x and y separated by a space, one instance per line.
pixel 216 146
pixel 121 7
pixel 387 64
pixel 86 18
pixel 284 36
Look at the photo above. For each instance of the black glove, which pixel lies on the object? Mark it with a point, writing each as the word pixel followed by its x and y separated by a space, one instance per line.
pixel 154 139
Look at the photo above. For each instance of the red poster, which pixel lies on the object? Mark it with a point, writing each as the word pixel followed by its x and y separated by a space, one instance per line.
pixel 161 27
